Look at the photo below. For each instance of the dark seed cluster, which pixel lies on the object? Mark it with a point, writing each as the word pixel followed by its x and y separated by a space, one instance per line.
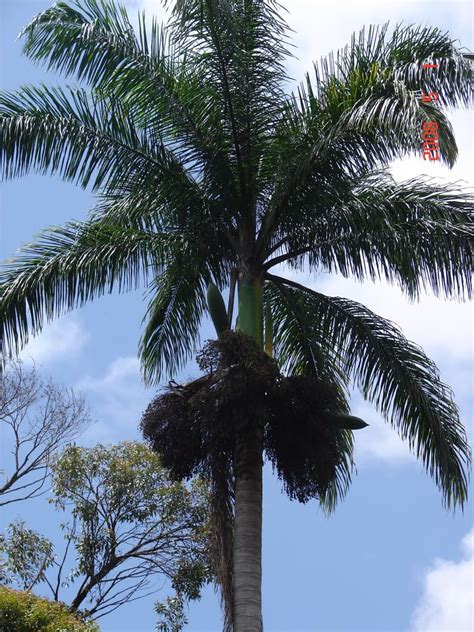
pixel 194 426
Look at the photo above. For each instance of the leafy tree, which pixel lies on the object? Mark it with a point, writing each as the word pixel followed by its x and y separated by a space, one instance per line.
pixel 37 419
pixel 129 526
pixel 172 617
pixel 205 169
pixel 27 555
pixel 24 612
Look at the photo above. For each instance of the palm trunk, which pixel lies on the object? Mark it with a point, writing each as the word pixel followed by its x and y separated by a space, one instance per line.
pixel 247 565
pixel 247 575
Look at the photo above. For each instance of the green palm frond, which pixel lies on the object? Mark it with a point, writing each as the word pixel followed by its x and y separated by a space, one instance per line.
pixel 360 111
pixel 398 378
pixel 66 267
pixel 340 483
pixel 241 43
pixel 93 40
pixel 400 57
pixel 238 48
pixel 85 139
pixel 179 299
pixel 172 321
pixel 297 350
pixel 417 233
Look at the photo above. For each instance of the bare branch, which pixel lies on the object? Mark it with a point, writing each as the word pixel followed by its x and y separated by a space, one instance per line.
pixel 36 419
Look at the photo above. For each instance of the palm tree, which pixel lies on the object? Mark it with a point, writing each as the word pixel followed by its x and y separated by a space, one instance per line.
pixel 206 169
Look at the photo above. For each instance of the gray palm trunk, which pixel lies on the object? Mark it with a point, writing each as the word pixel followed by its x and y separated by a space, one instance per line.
pixel 247 565
pixel 248 534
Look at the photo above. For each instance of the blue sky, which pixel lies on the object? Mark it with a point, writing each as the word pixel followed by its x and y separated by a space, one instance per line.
pixel 390 558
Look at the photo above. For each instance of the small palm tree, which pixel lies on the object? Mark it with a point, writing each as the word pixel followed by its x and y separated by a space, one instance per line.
pixel 205 169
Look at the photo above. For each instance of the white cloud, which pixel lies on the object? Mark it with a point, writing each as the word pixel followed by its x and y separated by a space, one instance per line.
pixel 447 603
pixel 378 442
pixel 62 339
pixel 121 368
pixel 152 8
pixel 118 399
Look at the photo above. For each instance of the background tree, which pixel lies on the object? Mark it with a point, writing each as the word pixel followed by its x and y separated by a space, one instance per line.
pixel 37 418
pixel 171 613
pixel 24 612
pixel 205 169
pixel 130 528
pixel 26 555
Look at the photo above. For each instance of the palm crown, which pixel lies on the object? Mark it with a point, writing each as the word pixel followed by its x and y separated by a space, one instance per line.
pixel 206 169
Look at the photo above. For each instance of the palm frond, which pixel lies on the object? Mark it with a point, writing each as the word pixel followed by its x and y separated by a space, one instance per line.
pixel 296 349
pixel 93 40
pixel 85 139
pixel 173 317
pixel 247 40
pixel 354 130
pixel 162 205
pixel 361 111
pixel 200 248
pixel 397 377
pixel 66 267
pixel 417 233
pixel 401 55
pixel 238 48
pixel 96 42
pixel 339 484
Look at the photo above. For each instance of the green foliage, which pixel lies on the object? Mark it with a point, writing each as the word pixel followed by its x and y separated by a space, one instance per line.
pixel 393 373
pixel 24 612
pixel 127 525
pixel 131 485
pixel 128 510
pixel 27 555
pixel 171 613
